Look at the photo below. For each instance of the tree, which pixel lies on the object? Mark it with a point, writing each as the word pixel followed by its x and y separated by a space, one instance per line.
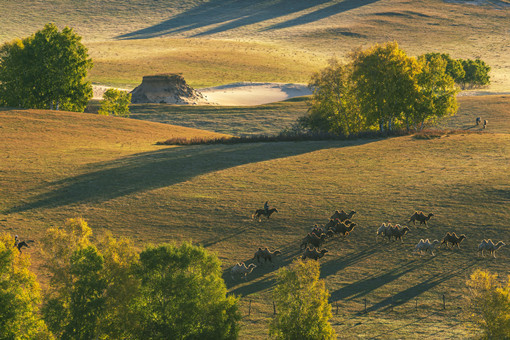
pixel 490 302
pixel 92 290
pixel 115 102
pixel 45 70
pixel 302 304
pixel 333 105
pixel 476 73
pixel 183 295
pixel 453 66
pixel 20 295
pixel 385 84
pixel 436 96
pixel 87 298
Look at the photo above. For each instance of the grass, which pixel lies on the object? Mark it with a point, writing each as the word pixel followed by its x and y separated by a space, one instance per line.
pixel 264 40
pixel 57 165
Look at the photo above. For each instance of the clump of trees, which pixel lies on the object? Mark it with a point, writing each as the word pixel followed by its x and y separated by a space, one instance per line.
pixel 20 296
pixel 490 304
pixel 302 303
pixel 46 70
pixel 109 290
pixel 116 103
pixel 381 88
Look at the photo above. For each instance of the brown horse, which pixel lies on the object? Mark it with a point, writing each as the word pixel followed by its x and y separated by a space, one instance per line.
pixel 261 212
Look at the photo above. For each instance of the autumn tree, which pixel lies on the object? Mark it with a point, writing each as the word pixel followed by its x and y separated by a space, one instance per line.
pixel 333 106
pixel 436 95
pixel 303 310
pixel 20 295
pixel 92 289
pixel 490 304
pixel 46 70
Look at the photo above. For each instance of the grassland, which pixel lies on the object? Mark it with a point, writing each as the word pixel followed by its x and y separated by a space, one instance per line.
pixel 217 42
pixel 108 170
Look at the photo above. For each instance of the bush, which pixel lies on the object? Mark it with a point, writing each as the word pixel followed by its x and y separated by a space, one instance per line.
pixel 115 102
pixel 490 304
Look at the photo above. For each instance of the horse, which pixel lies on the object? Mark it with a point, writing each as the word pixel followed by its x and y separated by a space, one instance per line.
pixel 261 212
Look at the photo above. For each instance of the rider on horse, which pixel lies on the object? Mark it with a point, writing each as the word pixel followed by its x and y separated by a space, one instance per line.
pixel 266 207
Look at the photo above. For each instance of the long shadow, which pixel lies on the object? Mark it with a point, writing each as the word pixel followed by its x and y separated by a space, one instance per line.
pixel 332 267
pixel 232 14
pixel 322 13
pixel 369 284
pixel 152 170
pixel 414 291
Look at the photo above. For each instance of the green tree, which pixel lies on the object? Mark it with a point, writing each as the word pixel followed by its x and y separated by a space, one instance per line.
pixel 333 105
pixel 490 304
pixel 302 304
pixel 19 295
pixel 115 102
pixel 436 96
pixel 476 73
pixel 92 292
pixel 453 66
pixel 46 70
pixel 121 261
pixel 184 296
pixel 87 298
pixel 385 84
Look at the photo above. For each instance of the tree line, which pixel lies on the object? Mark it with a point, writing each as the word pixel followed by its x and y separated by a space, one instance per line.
pixel 107 289
pixel 383 88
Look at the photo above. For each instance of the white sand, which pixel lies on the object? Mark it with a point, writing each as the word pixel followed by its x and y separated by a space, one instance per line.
pixel 248 94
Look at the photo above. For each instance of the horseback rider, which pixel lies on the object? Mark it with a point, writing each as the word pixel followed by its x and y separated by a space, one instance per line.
pixel 266 208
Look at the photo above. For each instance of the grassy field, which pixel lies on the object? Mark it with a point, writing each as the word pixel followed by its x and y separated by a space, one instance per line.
pixel 108 170
pixel 217 42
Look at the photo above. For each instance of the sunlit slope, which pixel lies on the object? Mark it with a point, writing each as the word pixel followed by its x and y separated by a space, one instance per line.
pixel 58 165
pixel 296 34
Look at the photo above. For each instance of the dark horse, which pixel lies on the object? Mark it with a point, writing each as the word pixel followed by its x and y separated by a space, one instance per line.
pixel 261 212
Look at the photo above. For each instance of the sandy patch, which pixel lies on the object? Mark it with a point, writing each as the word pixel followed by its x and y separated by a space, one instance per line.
pixel 238 94
pixel 99 91
pixel 249 94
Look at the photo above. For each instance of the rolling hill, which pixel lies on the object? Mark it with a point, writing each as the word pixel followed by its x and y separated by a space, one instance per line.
pixel 222 41
pixel 57 165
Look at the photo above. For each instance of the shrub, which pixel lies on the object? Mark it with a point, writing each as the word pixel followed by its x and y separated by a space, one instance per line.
pixel 490 304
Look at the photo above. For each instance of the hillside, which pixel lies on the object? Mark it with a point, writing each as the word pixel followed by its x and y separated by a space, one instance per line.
pixel 57 165
pixel 215 42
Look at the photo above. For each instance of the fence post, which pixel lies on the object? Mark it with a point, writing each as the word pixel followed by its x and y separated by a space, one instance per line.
pixel 249 309
pixel 274 308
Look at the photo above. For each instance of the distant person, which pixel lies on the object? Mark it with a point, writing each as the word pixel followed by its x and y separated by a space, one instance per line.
pixel 266 207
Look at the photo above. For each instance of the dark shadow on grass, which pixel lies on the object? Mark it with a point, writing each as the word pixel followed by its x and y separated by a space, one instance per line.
pixel 152 170
pixel 216 16
pixel 416 290
pixel 322 13
pixel 363 287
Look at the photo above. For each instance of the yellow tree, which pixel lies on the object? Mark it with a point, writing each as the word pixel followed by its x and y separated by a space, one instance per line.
pixel 301 298
pixel 490 303
pixel 20 295
pixel 385 84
